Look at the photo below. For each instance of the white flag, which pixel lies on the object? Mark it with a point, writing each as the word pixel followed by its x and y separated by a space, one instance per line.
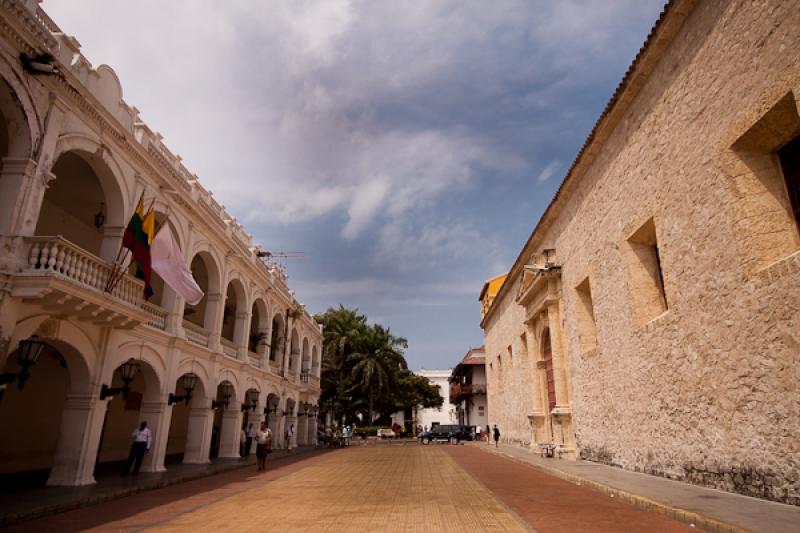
pixel 167 261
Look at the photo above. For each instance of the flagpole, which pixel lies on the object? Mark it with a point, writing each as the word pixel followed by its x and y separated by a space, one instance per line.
pixel 116 270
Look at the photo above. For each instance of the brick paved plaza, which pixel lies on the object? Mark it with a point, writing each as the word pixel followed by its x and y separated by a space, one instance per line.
pixel 394 487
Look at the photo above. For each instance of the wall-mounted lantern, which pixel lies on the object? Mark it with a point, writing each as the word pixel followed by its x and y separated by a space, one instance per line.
pixel 128 372
pixel 27 355
pixel 227 392
pixel 189 382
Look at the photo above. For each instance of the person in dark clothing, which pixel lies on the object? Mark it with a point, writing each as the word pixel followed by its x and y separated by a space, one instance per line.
pixel 496 432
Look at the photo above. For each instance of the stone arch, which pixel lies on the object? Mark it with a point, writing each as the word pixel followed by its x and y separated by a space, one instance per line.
pixel 225 438
pixel 234 315
pixel 87 201
pixel 305 362
pixel 277 337
pixel 124 412
pixel 258 340
pixel 18 112
pixel 315 367
pixel 37 428
pixel 206 270
pixel 294 351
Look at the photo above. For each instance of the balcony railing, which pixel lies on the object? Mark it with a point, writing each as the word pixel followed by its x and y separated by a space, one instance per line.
pixel 58 256
pixel 304 376
pixel 253 358
pixel 158 316
pixel 229 348
pixel 460 390
pixel 195 333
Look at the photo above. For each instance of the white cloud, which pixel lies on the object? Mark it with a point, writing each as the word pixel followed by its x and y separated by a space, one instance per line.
pixel 548 171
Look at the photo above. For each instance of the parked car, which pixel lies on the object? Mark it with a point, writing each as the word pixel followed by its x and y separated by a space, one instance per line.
pixel 447 433
pixel 386 433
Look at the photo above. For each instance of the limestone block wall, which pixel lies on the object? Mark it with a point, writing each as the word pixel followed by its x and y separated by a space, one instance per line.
pixel 706 390
pixel 509 379
pixel 679 238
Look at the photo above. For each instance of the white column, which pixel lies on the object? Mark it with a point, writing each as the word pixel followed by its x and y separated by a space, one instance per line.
pixel 20 197
pixel 157 416
pixel 198 435
pixel 289 421
pixel 312 430
pixel 274 425
pixel 301 430
pixel 213 319
pixel 230 432
pixel 79 438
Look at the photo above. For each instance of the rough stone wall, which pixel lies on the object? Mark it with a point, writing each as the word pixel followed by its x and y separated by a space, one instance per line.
pixel 706 392
pixel 510 390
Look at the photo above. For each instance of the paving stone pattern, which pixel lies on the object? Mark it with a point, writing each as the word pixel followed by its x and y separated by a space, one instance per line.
pixel 398 488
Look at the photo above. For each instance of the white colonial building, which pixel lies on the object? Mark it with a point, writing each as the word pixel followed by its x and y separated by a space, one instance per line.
pixel 75 159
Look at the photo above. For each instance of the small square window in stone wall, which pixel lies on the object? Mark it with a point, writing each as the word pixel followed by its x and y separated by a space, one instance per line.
pixel 587 328
pixel 642 260
pixel 764 214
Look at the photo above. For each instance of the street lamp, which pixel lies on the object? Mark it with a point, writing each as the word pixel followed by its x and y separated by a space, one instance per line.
pixel 227 392
pixel 128 371
pixel 189 382
pixel 252 405
pixel 27 355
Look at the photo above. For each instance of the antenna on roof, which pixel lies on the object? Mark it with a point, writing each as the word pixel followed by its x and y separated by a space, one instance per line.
pixel 280 257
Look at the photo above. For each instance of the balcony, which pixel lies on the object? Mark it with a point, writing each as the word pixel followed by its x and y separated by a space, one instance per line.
pixel 460 391
pixel 69 280
pixel 229 348
pixel 195 333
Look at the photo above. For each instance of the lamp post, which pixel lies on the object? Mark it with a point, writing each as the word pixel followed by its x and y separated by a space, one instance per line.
pixel 227 392
pixel 27 355
pixel 189 382
pixel 128 371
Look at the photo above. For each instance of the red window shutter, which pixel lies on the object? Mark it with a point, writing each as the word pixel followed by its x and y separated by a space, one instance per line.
pixel 547 355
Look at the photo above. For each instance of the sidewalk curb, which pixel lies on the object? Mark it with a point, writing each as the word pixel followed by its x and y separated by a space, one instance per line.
pixel 692 518
pixel 42 512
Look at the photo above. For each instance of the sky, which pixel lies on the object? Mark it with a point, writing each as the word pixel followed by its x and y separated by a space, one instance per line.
pixel 407 148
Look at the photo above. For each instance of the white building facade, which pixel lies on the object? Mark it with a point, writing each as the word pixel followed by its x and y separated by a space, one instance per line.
pixel 75 161
pixel 468 389
pixel 446 414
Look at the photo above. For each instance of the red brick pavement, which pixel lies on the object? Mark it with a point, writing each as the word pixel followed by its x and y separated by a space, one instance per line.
pixel 152 507
pixel 552 505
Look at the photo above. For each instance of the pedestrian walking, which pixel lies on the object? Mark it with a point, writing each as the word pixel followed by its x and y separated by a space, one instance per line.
pixel 488 435
pixel 248 443
pixel 242 441
pixel 496 435
pixel 141 445
pixel 478 431
pixel 263 438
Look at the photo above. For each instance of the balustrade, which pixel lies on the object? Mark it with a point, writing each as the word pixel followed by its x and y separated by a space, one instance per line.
pixel 195 333
pixel 58 256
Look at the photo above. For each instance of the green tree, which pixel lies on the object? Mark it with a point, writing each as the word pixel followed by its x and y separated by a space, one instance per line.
pixel 377 360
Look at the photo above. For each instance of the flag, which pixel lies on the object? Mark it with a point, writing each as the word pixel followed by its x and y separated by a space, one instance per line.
pixel 167 262
pixel 137 239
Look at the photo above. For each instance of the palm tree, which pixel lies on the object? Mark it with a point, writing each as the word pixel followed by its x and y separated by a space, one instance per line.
pixel 342 330
pixel 377 360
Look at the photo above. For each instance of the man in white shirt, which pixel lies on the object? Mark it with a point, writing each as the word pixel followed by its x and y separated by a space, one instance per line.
pixel 263 445
pixel 141 445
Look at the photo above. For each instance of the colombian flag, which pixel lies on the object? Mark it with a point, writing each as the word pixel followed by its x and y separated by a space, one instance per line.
pixel 137 238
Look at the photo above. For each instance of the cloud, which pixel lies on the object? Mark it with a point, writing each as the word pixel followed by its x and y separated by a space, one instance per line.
pixel 400 137
pixel 548 171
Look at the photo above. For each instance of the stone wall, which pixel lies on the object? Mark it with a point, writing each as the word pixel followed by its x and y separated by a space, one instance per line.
pixel 707 390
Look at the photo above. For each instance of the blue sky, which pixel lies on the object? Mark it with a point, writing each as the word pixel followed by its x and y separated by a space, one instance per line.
pixel 408 148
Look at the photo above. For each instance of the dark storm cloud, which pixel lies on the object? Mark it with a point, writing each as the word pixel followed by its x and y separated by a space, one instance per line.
pixel 407 147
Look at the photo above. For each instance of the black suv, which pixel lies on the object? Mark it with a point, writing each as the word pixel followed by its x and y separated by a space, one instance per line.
pixel 452 434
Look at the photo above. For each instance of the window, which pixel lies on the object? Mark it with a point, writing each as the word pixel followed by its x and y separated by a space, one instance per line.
pixel 547 357
pixel 761 170
pixel 789 156
pixel 587 329
pixel 645 279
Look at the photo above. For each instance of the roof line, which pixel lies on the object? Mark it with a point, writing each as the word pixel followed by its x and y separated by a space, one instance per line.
pixel 673 15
